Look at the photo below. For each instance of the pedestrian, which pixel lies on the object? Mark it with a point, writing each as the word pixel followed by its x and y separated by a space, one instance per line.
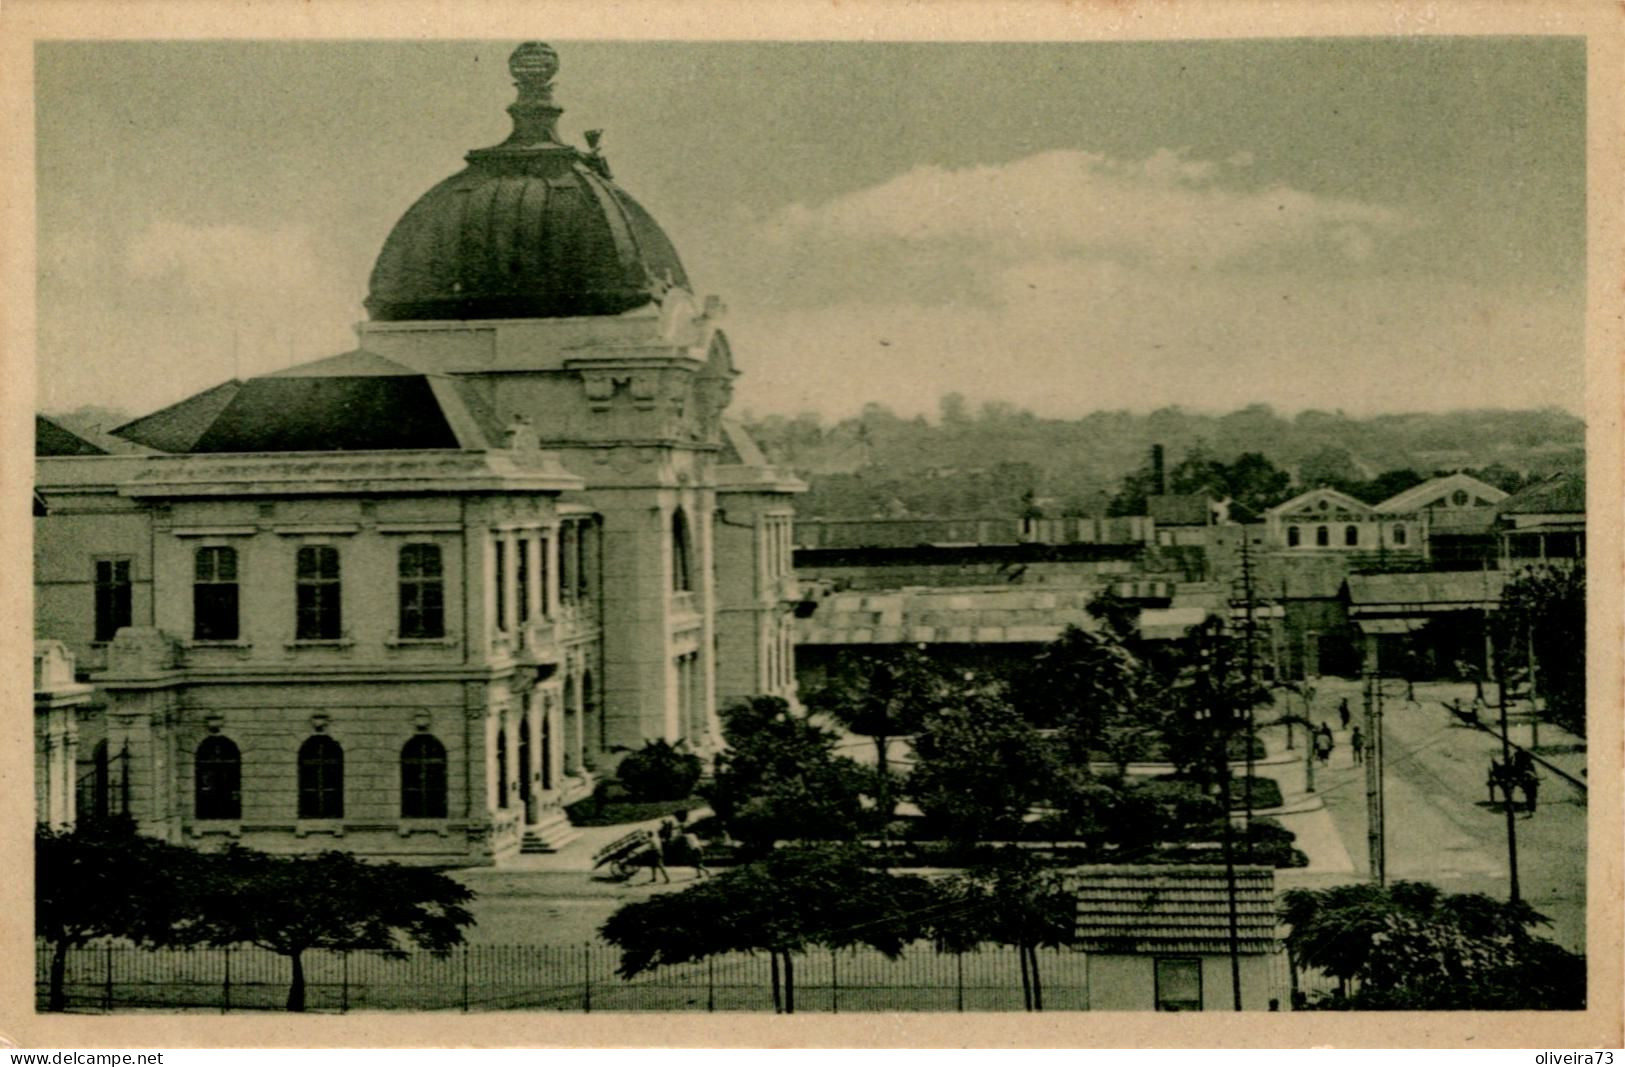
pixel 696 854
pixel 1357 743
pixel 657 858
pixel 1531 787
pixel 1343 712
pixel 1323 743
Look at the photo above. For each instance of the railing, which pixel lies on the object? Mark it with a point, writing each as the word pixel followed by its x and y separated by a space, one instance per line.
pixel 569 978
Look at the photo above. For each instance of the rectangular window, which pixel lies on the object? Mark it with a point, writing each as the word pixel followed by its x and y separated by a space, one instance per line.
pixel 112 597
pixel 522 578
pixel 500 556
pixel 422 584
pixel 1179 985
pixel 543 570
pixel 319 602
pixel 585 539
pixel 567 562
pixel 214 595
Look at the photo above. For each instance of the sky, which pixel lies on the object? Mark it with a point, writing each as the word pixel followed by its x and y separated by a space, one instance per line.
pixel 1359 224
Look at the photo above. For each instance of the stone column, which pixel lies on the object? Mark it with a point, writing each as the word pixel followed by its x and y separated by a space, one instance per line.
pixel 533 766
pixel 535 596
pixel 550 569
pixel 510 586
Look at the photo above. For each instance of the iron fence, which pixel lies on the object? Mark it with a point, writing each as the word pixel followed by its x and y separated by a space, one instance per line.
pixel 569 978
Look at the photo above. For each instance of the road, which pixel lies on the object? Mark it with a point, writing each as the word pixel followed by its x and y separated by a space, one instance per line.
pixel 1440 827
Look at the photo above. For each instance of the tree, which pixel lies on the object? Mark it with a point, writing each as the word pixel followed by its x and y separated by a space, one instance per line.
pixel 106 880
pixel 1385 485
pixel 980 767
pixel 1332 467
pixel 291 904
pixel 1409 945
pixel 1095 691
pixel 1254 485
pixel 1016 901
pixel 659 771
pixel 780 779
pixel 787 902
pixel 1541 625
pixel 881 697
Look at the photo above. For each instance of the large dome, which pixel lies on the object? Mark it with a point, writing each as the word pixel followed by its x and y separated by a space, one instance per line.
pixel 532 228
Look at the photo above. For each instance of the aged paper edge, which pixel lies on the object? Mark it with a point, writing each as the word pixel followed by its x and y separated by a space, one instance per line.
pixel 1602 24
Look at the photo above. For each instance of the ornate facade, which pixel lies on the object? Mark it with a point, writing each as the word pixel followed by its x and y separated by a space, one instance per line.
pixel 412 599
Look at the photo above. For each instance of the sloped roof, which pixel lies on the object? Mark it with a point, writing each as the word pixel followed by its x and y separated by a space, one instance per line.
pixel 177 427
pixel 1440 589
pixel 1438 491
pixel 1559 494
pixel 63 435
pixel 1306 502
pixel 1156 910
pixel 354 401
pixel 53 439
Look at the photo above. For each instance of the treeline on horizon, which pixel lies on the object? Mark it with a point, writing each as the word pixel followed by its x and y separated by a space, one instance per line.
pixel 999 460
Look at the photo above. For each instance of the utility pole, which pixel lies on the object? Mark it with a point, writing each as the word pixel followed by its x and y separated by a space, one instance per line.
pixel 1247 676
pixel 1376 821
pixel 1534 704
pixel 1506 761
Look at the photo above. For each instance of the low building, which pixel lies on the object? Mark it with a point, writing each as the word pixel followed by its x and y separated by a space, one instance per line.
pixel 1544 521
pixel 59 698
pixel 1158 938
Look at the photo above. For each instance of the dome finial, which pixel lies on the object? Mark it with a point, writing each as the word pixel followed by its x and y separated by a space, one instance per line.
pixel 533 66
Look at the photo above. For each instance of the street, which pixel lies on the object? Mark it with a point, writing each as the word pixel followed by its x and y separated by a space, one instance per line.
pixel 1440 827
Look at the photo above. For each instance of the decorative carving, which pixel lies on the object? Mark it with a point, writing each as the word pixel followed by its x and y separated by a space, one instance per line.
pixel 645 391
pixel 520 435
pixel 600 388
pixel 214 722
pixel 319 721
pixel 421 720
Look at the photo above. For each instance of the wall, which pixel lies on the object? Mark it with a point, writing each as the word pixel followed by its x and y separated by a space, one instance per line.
pixel 1128 982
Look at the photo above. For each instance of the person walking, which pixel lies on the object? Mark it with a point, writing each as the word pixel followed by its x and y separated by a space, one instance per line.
pixel 1530 784
pixel 1357 744
pixel 657 858
pixel 1324 743
pixel 1343 712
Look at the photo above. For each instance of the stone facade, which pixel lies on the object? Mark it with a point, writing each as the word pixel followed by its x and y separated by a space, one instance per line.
pixel 413 599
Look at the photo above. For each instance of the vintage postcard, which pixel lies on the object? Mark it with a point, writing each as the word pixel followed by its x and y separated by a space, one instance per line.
pixel 690 524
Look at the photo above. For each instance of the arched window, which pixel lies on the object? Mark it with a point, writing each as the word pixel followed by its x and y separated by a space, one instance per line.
pixel 502 768
pixel 321 778
pixel 1351 535
pixel 94 796
pixel 422 588
pixel 320 618
pixel 682 577
pixel 423 778
pixel 214 595
pixel 1399 533
pixel 1294 536
pixel 217 780
pixel 1323 536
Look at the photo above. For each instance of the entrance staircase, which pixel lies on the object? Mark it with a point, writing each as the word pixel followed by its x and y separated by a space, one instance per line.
pixel 550 834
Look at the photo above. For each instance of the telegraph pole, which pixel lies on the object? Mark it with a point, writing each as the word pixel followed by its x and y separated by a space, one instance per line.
pixel 1376 816
pixel 1247 675
pixel 1506 761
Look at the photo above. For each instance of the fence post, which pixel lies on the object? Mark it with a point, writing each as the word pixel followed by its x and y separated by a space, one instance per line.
pixel 107 987
pixel 586 977
pixel 959 981
pixel 834 985
pixel 225 986
pixel 465 979
pixel 710 984
pixel 344 984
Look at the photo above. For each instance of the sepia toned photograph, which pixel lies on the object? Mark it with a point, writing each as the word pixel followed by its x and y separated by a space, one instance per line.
pixel 539 527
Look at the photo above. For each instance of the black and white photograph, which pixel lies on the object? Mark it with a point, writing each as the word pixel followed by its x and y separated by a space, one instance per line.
pixel 534 526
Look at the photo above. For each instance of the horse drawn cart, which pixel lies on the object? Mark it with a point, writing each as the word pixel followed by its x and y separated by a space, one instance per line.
pixel 624 855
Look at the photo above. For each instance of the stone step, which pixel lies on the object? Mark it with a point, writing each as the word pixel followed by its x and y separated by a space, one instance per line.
pixel 552 833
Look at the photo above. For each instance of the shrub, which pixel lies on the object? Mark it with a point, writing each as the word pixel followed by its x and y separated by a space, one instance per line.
pixel 658 771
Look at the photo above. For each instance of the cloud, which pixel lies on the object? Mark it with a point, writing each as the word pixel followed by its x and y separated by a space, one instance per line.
pixel 1168 212
pixel 177 307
